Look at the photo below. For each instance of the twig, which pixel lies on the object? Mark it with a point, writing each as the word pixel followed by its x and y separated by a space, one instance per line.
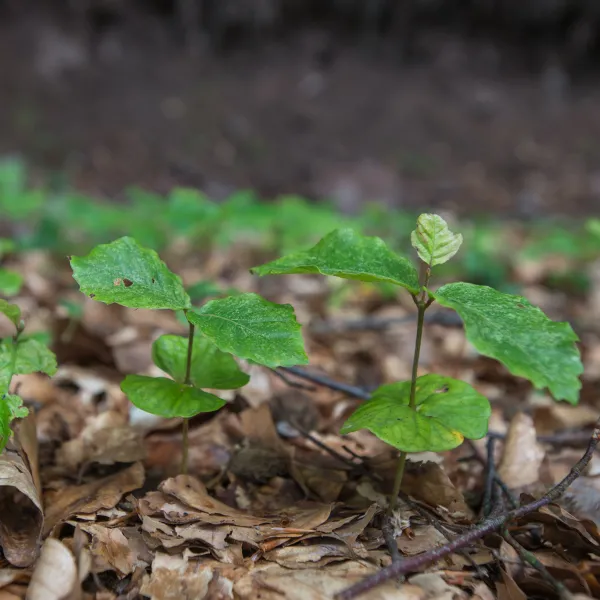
pixel 389 536
pixel 530 559
pixel 292 383
pixel 489 525
pixel 323 380
pixel 490 476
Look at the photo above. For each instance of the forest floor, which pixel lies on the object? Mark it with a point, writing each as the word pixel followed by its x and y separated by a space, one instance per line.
pixel 277 504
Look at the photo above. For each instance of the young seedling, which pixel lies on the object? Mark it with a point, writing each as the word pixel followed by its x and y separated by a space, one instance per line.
pixel 19 355
pixel 434 412
pixel 245 325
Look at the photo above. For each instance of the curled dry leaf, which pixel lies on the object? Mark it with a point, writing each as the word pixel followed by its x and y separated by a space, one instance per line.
pixel 55 576
pixel 522 456
pixel 90 497
pixel 110 550
pixel 21 511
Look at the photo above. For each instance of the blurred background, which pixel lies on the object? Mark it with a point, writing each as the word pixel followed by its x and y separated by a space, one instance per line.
pixel 474 106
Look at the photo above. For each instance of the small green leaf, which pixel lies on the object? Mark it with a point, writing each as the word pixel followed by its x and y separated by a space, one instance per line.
pixel 349 255
pixel 12 311
pixel 167 398
pixel 27 355
pixel 510 329
pixel 11 407
pixel 251 327
pixel 447 411
pixel 6 246
pixel 211 368
pixel 434 241
pixel 125 273
pixel 10 282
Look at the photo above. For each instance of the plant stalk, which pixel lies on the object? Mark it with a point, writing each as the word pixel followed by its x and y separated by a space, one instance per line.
pixel 186 422
pixel 422 304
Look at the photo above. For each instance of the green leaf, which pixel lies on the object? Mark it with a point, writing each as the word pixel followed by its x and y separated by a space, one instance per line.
pixel 510 329
pixel 434 241
pixel 11 407
pixel 447 411
pixel 6 246
pixel 168 398
pixel 10 282
pixel 349 255
pixel 211 368
pixel 125 273
pixel 12 311
pixel 251 327
pixel 27 355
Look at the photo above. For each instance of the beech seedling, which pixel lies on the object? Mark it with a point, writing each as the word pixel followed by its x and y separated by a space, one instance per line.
pixel 435 412
pixel 244 325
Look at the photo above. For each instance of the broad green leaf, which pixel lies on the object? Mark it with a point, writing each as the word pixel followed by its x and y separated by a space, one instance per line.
pixel 11 407
pixel 168 398
pixel 447 411
pixel 251 327
pixel 124 272
pixel 211 368
pixel 434 241
pixel 11 311
pixel 27 355
pixel 510 329
pixel 349 255
pixel 10 282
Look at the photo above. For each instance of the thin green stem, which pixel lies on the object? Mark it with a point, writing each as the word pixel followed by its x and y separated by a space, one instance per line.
pixel 186 422
pixel 422 307
pixel 397 483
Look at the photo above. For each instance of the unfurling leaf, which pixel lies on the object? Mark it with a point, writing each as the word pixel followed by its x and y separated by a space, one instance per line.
pixel 510 329
pixel 434 241
pixel 447 411
pixel 126 273
pixel 167 398
pixel 211 368
pixel 24 356
pixel 251 327
pixel 349 255
pixel 11 311
pixel 11 407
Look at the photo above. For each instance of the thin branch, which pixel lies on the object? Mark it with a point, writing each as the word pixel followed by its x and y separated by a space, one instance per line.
pixel 294 384
pixel 491 524
pixel 325 381
pixel 390 538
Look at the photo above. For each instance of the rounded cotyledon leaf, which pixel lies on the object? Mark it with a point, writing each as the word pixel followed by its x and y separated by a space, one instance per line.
pixel 510 329
pixel 434 241
pixel 447 411
pixel 126 273
pixel 11 311
pixel 253 328
pixel 210 367
pixel 347 254
pixel 167 398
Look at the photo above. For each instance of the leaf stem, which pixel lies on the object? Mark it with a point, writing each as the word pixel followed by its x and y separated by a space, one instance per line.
pixel 186 422
pixel 397 483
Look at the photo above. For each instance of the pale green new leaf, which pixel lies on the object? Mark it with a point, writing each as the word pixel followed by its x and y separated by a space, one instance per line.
pixel 11 311
pixel 251 327
pixel 126 273
pixel 27 355
pixel 434 241
pixel 510 329
pixel 10 282
pixel 349 255
pixel 11 407
pixel 210 368
pixel 447 411
pixel 167 398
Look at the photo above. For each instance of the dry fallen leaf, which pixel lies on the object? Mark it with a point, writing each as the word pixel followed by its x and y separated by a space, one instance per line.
pixel 522 456
pixel 55 576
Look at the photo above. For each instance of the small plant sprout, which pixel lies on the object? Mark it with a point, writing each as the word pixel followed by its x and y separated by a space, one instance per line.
pixel 245 325
pixel 434 412
pixel 19 355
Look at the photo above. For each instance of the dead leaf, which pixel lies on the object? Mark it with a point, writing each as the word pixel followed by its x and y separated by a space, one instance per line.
pixel 55 576
pixel 522 456
pixel 21 512
pixel 508 589
pixel 436 588
pixel 110 549
pixel 88 498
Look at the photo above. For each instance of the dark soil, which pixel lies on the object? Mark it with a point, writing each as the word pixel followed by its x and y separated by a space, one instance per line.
pixel 465 126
